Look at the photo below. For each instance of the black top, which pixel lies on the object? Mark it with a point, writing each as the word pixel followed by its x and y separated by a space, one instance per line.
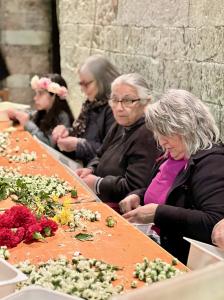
pixel 124 161
pixel 99 122
pixel 194 204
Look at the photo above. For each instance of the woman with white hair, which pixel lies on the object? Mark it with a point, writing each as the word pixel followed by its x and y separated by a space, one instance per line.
pixel 186 192
pixel 128 153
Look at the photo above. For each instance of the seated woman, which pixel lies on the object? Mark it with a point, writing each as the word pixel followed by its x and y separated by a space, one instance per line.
pixel 218 234
pixel 186 192
pixel 51 108
pixel 96 118
pixel 128 153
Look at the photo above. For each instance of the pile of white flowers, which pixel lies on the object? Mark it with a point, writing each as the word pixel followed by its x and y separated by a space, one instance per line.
pixel 83 215
pixel 83 277
pixel 4 252
pixel 4 141
pixel 23 157
pixel 155 270
pixel 30 185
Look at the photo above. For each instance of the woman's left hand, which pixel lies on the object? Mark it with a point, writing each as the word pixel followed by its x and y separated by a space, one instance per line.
pixel 67 144
pixel 90 180
pixel 142 214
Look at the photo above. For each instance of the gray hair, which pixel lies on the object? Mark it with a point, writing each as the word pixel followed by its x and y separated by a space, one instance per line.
pixel 180 112
pixel 103 71
pixel 136 81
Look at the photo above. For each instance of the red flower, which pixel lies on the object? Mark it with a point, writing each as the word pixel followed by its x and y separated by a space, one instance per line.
pixel 49 227
pixel 21 216
pixel 33 233
pixel 10 237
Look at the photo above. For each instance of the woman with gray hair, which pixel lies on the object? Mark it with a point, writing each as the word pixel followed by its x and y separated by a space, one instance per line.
pixel 186 192
pixel 128 153
pixel 96 75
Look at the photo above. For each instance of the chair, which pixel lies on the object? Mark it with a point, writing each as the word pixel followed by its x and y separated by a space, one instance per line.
pixel 4 95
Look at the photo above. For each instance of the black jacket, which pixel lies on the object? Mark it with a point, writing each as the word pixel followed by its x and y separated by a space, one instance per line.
pixel 124 161
pixel 194 204
pixel 98 124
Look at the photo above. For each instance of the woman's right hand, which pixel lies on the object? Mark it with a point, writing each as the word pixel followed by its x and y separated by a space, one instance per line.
pixel 129 203
pixel 218 234
pixel 83 172
pixel 59 131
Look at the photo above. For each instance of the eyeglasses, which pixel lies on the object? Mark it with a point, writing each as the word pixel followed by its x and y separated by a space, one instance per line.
pixel 85 84
pixel 126 102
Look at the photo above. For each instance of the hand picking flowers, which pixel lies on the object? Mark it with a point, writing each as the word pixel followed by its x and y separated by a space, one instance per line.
pixel 19 224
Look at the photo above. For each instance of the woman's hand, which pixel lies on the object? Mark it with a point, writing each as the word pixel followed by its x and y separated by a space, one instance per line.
pixel 142 214
pixel 83 172
pixel 218 234
pixel 67 144
pixel 59 131
pixel 90 180
pixel 11 114
pixel 128 203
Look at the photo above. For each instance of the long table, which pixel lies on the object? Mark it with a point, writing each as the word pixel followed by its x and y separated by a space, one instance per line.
pixel 122 245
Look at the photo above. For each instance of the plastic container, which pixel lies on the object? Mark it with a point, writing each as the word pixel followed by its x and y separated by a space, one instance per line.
pixel 9 277
pixel 202 255
pixel 37 293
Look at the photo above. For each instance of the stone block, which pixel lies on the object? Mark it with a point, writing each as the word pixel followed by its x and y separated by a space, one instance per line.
pixel 18 81
pixel 68 35
pixel 21 95
pixel 133 40
pixel 204 44
pixel 158 13
pixel 106 11
pixel 25 37
pixel 85 35
pixel 76 11
pixel 206 13
pixel 114 38
pixel 213 83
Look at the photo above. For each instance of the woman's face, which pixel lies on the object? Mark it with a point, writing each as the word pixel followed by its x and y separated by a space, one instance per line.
pixel 126 113
pixel 88 85
pixel 173 145
pixel 43 100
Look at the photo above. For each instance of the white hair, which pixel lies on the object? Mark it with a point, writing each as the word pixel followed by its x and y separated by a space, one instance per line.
pixel 137 82
pixel 180 112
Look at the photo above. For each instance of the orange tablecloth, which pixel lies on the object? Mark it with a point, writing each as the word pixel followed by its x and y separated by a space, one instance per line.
pixel 122 245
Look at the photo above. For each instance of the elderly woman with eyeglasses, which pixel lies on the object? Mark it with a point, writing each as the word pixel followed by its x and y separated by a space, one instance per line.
pixel 185 196
pixel 89 130
pixel 128 153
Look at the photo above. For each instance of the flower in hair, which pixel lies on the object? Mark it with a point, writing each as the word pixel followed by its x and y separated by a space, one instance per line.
pixel 45 83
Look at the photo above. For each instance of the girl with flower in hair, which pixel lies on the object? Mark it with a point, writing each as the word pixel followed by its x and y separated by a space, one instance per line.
pixel 51 108
pixel 95 119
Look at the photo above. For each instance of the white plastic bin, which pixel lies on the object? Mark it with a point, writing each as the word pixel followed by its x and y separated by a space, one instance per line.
pixel 202 255
pixel 9 277
pixel 38 293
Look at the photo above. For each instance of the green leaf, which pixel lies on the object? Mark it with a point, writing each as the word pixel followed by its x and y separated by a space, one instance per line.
pixel 84 237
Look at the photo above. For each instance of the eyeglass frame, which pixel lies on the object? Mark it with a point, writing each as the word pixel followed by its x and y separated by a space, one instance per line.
pixel 132 101
pixel 85 84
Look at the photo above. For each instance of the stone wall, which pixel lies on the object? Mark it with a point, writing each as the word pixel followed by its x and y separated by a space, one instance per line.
pixel 173 43
pixel 25 39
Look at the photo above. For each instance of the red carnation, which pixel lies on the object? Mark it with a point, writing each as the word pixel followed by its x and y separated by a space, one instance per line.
pixel 33 233
pixel 11 238
pixel 49 227
pixel 21 216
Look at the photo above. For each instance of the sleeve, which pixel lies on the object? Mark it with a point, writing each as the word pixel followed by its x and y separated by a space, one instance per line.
pixel 35 130
pixel 207 188
pixel 136 175
pixel 87 149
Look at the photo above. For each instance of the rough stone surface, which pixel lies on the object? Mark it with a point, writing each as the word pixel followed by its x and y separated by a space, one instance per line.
pixel 173 43
pixel 25 41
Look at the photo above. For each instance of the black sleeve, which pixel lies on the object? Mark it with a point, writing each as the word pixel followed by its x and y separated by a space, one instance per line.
pixel 207 187
pixel 140 161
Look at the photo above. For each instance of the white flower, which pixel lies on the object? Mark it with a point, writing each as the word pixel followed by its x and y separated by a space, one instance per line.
pixel 54 88
pixel 35 82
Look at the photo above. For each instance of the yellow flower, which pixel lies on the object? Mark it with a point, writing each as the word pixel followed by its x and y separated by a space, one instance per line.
pixel 67 202
pixel 64 217
pixel 55 198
